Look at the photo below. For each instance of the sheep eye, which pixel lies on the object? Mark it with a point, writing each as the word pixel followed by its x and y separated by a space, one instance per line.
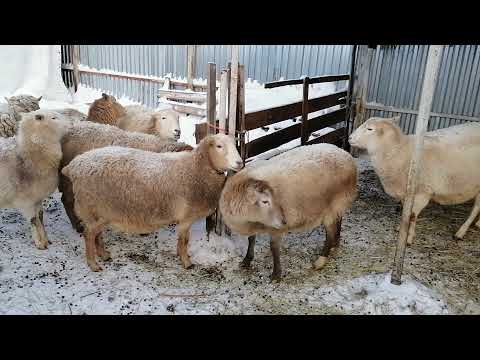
pixel 265 202
pixel 164 118
pixel 219 146
pixel 369 129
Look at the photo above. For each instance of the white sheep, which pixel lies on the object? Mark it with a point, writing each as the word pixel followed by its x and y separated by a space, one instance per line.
pixel 151 190
pixel 29 165
pixel 449 174
pixel 295 191
pixel 85 135
pixel 163 123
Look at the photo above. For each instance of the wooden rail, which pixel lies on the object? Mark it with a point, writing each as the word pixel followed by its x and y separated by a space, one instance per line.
pixel 314 80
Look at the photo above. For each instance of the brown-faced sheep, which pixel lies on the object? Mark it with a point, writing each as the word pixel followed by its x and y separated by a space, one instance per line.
pixel 163 123
pixel 29 165
pixel 105 110
pixel 84 136
pixel 152 190
pixel 449 175
pixel 294 191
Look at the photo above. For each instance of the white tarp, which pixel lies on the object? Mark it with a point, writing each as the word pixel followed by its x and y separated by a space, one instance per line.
pixel 32 70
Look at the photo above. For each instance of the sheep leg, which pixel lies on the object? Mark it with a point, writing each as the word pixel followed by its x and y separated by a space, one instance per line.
pixel 68 200
pixel 250 252
pixel 90 236
pixel 182 244
pixel 36 226
pixel 275 242
pixel 332 231
pixel 473 215
pixel 100 247
pixel 419 202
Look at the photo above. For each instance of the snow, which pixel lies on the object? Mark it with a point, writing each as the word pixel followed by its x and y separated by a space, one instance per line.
pixel 375 295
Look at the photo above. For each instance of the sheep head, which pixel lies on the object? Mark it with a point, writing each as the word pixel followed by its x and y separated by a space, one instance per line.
pixel 261 206
pixel 376 133
pixel 222 152
pixel 167 124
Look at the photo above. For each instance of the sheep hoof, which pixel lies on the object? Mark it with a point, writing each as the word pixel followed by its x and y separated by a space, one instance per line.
pixel 320 263
pixel 245 264
pixel 95 267
pixel 187 264
pixel 457 237
pixel 106 256
pixel 276 277
pixel 42 246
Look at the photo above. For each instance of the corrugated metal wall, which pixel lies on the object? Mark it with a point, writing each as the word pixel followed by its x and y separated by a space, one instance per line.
pixel 262 63
pixel 396 78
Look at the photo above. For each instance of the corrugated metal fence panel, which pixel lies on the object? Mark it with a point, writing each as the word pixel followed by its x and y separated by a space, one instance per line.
pixel 396 78
pixel 262 63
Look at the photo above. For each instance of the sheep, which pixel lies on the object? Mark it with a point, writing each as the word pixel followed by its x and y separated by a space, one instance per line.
pixel 29 165
pixel 72 114
pixel 295 191
pixel 163 123
pixel 449 174
pixel 152 190
pixel 10 113
pixel 105 110
pixel 84 136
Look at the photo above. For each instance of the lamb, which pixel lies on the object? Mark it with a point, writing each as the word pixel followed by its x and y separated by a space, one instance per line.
pixel 153 190
pixel 105 110
pixel 449 175
pixel 29 165
pixel 84 136
pixel 10 113
pixel 294 191
pixel 163 123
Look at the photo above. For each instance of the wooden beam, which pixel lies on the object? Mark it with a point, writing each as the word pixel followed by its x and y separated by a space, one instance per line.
pixel 314 80
pixel 406 224
pixel 191 57
pixel 266 117
pixel 232 111
pixel 304 123
pixel 75 62
pixel 333 137
pixel 241 110
pixel 222 102
pixel 361 84
pixel 200 97
pixel 185 108
pixel 211 97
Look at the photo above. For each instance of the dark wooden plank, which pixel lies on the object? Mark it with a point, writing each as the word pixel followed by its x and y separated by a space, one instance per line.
pixel 327 101
pixel 266 117
pixel 241 110
pixel 211 97
pixel 335 137
pixel 314 80
pixel 326 120
pixel 329 78
pixel 273 141
pixel 304 124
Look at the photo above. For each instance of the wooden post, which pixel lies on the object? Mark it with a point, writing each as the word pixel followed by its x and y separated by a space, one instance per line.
pixel 241 111
pixel 191 58
pixel 232 111
pixel 211 97
pixel 430 79
pixel 222 106
pixel 304 124
pixel 361 84
pixel 75 62
pixel 349 112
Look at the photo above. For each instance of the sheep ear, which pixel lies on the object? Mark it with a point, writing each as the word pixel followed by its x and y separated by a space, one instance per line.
pixel 259 186
pixel 39 117
pixel 6 98
pixel 40 98
pixel 105 96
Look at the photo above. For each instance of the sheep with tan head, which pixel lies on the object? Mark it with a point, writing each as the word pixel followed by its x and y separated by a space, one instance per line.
pixel 449 174
pixel 151 190
pixel 29 165
pixel 105 110
pixel 11 112
pixel 83 136
pixel 294 191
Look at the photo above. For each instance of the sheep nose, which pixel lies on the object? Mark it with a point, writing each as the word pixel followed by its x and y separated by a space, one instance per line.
pixel 284 222
pixel 239 164
pixel 177 132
